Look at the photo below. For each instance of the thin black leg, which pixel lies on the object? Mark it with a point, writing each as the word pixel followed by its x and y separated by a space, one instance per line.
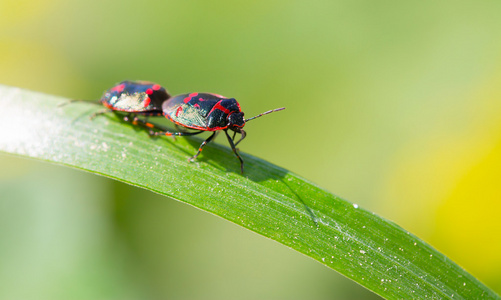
pixel 242 132
pixel 180 128
pixel 203 145
pixel 170 133
pixel 134 120
pixel 130 118
pixel 98 113
pixel 235 150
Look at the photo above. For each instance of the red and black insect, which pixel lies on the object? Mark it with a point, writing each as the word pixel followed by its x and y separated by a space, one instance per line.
pixel 138 97
pixel 207 112
pixel 133 98
pixel 198 111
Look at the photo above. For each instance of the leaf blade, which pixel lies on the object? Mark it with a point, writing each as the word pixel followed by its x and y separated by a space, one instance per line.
pixel 268 199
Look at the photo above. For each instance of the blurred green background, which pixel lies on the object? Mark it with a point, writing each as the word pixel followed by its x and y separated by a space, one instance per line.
pixel 393 105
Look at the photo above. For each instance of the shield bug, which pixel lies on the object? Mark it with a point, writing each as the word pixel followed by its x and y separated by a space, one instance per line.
pixel 139 97
pixel 207 112
pixel 134 98
pixel 197 111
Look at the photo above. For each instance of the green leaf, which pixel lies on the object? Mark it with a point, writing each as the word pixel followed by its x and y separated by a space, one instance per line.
pixel 267 199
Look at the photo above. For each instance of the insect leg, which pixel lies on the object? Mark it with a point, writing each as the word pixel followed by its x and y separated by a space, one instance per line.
pixel 170 133
pixel 180 128
pixel 235 150
pixel 211 137
pixel 242 132
pixel 98 113
pixel 143 123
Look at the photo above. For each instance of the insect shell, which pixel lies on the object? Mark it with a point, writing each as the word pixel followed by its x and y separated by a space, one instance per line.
pixel 204 111
pixel 207 112
pixel 138 97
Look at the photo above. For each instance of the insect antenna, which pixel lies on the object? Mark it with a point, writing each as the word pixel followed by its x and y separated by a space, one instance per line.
pixel 265 113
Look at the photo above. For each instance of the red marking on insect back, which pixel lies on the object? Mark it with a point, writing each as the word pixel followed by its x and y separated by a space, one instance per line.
pixel 190 96
pixel 147 102
pixel 149 91
pixel 220 107
pixel 196 105
pixel 119 88
pixel 156 87
pixel 108 105
pixel 178 111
